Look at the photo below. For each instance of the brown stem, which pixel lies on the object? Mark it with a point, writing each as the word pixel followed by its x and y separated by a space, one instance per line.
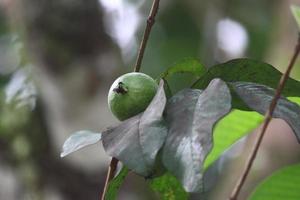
pixel 268 117
pixel 150 23
pixel 110 174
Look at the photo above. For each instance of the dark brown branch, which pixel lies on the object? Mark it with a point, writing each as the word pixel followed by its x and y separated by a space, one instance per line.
pixel 110 174
pixel 150 23
pixel 268 117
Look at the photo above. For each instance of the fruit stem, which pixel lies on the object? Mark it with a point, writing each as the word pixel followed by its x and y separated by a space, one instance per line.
pixel 122 90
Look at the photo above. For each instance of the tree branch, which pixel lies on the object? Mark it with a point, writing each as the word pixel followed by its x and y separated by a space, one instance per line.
pixel 150 23
pixel 268 117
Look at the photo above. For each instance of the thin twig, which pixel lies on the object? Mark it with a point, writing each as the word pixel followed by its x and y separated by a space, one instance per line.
pixel 150 23
pixel 268 117
pixel 110 174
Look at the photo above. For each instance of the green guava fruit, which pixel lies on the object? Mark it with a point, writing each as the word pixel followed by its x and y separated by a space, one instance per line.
pixel 130 94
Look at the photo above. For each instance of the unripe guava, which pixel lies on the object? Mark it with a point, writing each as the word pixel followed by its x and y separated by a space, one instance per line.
pixel 130 94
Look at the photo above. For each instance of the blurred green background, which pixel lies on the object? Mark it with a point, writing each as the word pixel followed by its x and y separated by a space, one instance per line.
pixel 59 58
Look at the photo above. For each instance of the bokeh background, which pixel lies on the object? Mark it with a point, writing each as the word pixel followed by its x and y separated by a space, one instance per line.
pixel 58 59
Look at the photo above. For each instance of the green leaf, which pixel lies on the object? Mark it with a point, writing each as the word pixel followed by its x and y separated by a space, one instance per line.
pixel 115 184
pixel 296 12
pixel 258 97
pixel 79 140
pixel 168 187
pixel 217 169
pixel 283 184
pixel 130 143
pixel 188 65
pixel 191 115
pixel 231 128
pixel 248 70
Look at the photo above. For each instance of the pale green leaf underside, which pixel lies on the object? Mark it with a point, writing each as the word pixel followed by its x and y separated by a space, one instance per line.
pixel 191 115
pixel 78 140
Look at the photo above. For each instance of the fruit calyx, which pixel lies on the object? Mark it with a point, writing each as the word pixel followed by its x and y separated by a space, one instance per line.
pixel 120 89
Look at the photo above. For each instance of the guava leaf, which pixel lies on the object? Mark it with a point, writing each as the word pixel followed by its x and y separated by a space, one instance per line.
pixel 283 184
pixel 128 141
pixel 168 90
pixel 79 140
pixel 122 142
pixel 152 127
pixel 115 184
pixel 191 115
pixel 229 139
pixel 258 97
pixel 231 128
pixel 296 13
pixel 188 65
pixel 248 70
pixel 219 168
pixel 168 188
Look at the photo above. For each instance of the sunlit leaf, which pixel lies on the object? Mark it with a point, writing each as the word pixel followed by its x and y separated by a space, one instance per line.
pixel 283 184
pixel 136 141
pixel 258 97
pixel 79 140
pixel 296 12
pixel 191 115
pixel 115 184
pixel 248 70
pixel 189 65
pixel 231 128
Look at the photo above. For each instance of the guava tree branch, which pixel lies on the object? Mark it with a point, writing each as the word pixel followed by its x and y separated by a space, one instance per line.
pixel 267 120
pixel 150 22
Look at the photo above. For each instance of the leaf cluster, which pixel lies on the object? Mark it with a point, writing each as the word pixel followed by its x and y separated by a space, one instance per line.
pixel 174 137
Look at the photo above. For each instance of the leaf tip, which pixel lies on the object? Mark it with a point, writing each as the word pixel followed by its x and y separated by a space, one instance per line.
pixel 62 154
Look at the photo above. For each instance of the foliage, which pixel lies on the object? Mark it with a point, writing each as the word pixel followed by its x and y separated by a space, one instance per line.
pixel 115 184
pixel 283 184
pixel 188 65
pixel 79 140
pixel 191 115
pixel 172 142
pixel 248 70
pixel 181 128
pixel 168 187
